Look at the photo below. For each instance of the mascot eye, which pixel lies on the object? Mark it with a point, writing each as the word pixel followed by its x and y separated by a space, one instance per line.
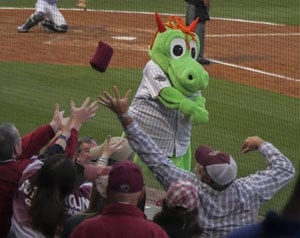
pixel 177 48
pixel 193 47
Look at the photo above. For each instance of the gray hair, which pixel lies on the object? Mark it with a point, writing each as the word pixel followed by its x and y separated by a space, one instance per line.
pixel 9 138
pixel 85 139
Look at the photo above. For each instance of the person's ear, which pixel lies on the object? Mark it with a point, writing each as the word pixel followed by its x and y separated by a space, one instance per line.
pixel 14 154
pixel 76 157
pixel 199 170
pixel 17 150
pixel 142 194
pixel 142 200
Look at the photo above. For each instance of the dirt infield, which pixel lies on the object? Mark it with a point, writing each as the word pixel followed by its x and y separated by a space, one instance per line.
pixel 265 56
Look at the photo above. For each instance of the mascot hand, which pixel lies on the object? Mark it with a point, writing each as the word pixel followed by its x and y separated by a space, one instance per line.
pixel 196 113
pixel 170 97
pixel 200 101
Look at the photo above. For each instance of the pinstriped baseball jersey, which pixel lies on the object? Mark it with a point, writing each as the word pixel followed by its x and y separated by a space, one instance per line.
pixel 169 128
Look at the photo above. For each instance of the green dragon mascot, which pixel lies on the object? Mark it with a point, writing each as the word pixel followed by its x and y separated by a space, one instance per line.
pixel 169 98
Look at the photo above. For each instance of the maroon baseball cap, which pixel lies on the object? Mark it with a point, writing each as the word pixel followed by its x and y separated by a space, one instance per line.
pixel 101 57
pixel 220 166
pixel 125 177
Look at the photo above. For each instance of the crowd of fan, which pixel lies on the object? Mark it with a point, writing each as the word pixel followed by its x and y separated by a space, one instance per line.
pixel 54 184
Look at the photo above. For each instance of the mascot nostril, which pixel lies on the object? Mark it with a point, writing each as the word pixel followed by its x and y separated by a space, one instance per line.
pixel 169 95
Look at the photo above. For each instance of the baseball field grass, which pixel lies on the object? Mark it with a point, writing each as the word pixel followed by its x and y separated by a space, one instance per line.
pixel 28 92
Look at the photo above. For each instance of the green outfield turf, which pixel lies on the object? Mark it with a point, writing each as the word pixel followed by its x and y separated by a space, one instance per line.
pixel 29 91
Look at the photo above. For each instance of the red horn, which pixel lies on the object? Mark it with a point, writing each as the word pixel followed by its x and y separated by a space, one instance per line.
pixel 160 25
pixel 193 25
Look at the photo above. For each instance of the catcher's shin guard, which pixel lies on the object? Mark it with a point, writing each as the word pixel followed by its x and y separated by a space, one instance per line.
pixel 33 20
pixel 50 26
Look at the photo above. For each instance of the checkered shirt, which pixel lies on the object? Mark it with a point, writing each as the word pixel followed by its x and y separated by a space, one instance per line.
pixel 219 212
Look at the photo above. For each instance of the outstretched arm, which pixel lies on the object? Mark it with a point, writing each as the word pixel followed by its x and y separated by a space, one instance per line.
pixel 162 168
pixel 118 105
pixel 66 139
pixel 278 173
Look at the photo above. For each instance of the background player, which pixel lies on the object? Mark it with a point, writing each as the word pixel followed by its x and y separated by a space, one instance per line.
pixel 194 9
pixel 48 15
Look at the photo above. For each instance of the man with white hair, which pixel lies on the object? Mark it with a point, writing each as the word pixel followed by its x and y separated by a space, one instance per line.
pixel 226 202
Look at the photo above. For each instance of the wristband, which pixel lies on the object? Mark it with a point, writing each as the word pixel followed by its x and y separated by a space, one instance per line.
pixel 63 137
pixel 103 160
pixel 123 117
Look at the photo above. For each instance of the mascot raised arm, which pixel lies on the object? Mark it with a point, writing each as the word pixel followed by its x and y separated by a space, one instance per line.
pixel 169 98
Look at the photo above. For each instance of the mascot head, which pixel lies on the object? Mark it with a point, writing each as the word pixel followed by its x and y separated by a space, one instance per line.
pixel 175 48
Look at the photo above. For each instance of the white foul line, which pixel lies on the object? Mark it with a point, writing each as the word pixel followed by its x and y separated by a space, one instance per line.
pixel 256 71
pixel 251 69
pixel 255 34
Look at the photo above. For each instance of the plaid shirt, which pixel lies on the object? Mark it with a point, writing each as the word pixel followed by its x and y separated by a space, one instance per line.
pixel 219 212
